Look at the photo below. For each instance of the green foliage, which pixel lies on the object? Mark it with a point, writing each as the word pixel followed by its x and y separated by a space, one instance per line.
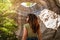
pixel 4 36
pixel 7 26
pixel 5 30
pixel 4 5
pixel 7 23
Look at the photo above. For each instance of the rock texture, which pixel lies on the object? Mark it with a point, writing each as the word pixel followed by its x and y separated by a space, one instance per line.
pixel 52 23
pixel 57 2
pixel 50 18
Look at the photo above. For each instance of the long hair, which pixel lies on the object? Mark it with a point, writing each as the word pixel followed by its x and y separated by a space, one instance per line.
pixel 33 21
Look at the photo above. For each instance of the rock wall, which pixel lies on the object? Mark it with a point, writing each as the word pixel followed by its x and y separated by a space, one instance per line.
pixel 53 5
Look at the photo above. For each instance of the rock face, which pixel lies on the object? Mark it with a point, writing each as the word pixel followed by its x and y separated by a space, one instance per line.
pixel 57 2
pixel 49 4
pixel 50 19
pixel 52 5
pixel 52 22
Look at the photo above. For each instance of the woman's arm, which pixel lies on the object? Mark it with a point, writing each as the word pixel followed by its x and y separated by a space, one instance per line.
pixel 39 34
pixel 24 37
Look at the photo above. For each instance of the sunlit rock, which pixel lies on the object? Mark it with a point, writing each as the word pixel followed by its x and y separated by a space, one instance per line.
pixel 28 4
pixel 50 19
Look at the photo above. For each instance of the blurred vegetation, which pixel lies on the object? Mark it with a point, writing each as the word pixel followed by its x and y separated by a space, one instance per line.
pixel 8 24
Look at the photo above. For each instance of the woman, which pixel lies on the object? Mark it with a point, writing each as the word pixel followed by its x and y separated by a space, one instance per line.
pixel 31 30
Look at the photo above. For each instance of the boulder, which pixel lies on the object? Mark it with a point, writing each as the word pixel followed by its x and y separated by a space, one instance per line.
pixel 50 19
pixel 52 22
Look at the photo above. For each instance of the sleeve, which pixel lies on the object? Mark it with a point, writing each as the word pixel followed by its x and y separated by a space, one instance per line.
pixel 25 26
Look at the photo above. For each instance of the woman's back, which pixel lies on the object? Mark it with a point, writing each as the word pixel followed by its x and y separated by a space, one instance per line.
pixel 30 32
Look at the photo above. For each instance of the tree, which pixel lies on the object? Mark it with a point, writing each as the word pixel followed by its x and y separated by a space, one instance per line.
pixel 7 22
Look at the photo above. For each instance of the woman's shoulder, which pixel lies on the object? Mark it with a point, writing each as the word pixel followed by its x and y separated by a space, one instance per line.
pixel 26 25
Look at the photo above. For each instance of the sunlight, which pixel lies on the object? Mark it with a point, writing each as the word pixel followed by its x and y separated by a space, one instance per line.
pixel 28 4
